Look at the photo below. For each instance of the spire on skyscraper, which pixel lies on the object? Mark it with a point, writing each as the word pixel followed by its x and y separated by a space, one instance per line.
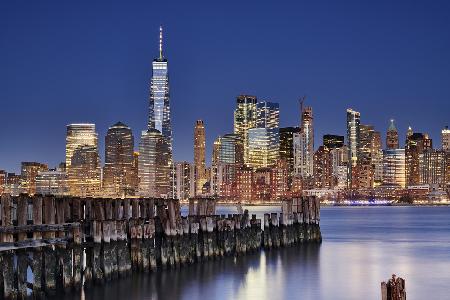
pixel 160 42
pixel 392 126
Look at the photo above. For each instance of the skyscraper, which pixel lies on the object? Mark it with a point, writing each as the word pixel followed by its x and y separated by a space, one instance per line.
pixel 392 136
pixel 159 108
pixel 84 172
pixel 79 135
pixel 184 177
pixel 304 145
pixel 394 170
pixel 445 139
pixel 432 167
pixel 264 140
pixel 287 149
pixel 353 139
pixel 119 172
pixel 154 165
pixel 244 119
pixel 199 156
pixel 416 143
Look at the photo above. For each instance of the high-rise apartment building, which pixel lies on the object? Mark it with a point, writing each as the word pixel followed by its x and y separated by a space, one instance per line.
pixel 323 169
pixel 304 145
pixel 83 175
pixel 199 156
pixel 392 136
pixel 416 143
pixel 394 167
pixel 353 139
pixel 119 173
pixel 445 139
pixel 244 119
pixel 28 174
pixel 159 103
pixel 184 180
pixel 3 176
pixel 432 167
pixel 154 165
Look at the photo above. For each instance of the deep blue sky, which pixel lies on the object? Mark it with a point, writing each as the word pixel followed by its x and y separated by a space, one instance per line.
pixel 90 61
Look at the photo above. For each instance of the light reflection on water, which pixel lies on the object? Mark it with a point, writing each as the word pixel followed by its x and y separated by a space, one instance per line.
pixel 361 247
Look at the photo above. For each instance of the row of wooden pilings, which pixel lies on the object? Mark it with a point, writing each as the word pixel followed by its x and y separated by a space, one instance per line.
pixel 63 256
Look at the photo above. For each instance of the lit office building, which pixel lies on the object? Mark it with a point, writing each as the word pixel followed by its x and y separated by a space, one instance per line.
pixel 392 136
pixel 52 182
pixel 119 173
pixel 332 141
pixel 377 158
pixel 244 119
pixel 304 145
pixel 416 143
pixel 339 161
pixel 353 138
pixel 13 184
pixel 394 169
pixel 184 180
pixel 287 148
pixel 79 135
pixel 84 172
pixel 29 171
pixel 267 115
pixel 199 156
pixel 445 139
pixel 263 147
pixel 159 103
pixel 432 167
pixel 154 165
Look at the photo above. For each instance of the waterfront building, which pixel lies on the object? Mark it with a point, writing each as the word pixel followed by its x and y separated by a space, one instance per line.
pixel 244 184
pixel 304 145
pixel 79 135
pixel 353 139
pixel 392 136
pixel 3 176
pixel 286 151
pixel 52 182
pixel 199 156
pixel 159 100
pixel 244 119
pixel 13 184
pixel 416 144
pixel 394 169
pixel 280 180
pixel 154 165
pixel 323 169
pixel 432 167
pixel 29 171
pixel 445 139
pixel 119 173
pixel 184 180
pixel 332 141
pixel 84 173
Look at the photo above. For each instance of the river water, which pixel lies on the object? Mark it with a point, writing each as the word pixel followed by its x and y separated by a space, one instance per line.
pixel 361 247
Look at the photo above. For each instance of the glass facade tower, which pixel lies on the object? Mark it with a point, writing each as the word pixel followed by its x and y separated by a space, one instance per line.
pixel 159 106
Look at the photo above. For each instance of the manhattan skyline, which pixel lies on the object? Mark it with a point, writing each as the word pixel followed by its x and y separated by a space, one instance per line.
pixel 99 71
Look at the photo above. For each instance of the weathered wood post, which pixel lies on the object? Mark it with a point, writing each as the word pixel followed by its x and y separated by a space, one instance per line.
pixel 22 254
pixel 36 265
pixel 50 262
pixel 394 289
pixel 9 289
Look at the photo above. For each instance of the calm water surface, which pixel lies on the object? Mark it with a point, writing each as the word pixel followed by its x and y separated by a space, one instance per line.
pixel 361 247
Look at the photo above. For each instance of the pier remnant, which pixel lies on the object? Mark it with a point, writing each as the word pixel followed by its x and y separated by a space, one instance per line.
pixel 393 289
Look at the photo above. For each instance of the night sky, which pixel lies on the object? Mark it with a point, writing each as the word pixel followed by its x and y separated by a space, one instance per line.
pixel 90 61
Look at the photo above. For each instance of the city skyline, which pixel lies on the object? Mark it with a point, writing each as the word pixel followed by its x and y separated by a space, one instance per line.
pixel 115 104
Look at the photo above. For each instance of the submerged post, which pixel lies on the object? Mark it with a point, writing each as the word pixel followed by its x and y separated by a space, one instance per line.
pixel 394 289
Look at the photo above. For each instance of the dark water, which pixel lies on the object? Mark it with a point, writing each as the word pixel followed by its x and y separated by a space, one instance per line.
pixel 361 247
